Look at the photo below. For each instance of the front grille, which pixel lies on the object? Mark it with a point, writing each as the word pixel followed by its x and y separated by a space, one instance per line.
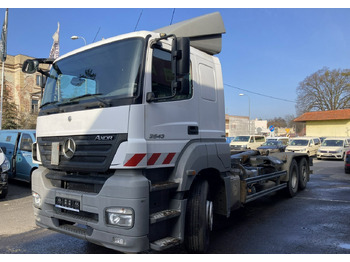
pixel 92 154
pixel 89 183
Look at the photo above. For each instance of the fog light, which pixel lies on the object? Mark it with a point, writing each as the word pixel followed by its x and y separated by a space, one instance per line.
pixel 123 217
pixel 119 241
pixel 36 200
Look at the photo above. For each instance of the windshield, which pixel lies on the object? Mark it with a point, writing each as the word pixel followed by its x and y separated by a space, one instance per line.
pixel 270 142
pixel 299 142
pixel 106 74
pixel 241 139
pixel 333 142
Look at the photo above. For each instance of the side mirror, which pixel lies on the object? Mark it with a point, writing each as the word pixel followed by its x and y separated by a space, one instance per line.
pixel 30 66
pixel 181 64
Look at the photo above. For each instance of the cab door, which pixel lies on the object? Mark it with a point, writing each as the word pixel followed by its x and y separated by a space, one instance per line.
pixel 170 121
pixel 24 157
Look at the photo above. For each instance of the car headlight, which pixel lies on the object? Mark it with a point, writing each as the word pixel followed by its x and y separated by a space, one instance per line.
pixel 120 216
pixel 5 166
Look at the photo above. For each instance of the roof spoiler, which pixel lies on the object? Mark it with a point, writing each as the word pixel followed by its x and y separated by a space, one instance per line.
pixel 204 32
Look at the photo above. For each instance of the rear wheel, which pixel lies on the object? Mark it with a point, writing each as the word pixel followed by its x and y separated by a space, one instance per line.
pixel 303 173
pixel 292 184
pixel 199 218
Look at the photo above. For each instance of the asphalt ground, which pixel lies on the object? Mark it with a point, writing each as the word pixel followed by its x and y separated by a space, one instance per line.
pixel 316 221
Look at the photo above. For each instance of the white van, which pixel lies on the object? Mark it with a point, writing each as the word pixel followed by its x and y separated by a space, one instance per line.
pixel 304 144
pixel 247 142
pixel 334 148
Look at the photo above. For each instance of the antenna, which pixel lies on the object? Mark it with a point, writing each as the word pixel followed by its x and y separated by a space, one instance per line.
pixel 97 33
pixel 138 20
pixel 172 16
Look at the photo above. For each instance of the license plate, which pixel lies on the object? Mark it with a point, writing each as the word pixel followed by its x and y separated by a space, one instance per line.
pixel 68 204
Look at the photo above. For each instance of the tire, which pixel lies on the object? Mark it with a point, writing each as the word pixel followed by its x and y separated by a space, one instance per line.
pixel 4 193
pixel 199 218
pixel 303 173
pixel 292 184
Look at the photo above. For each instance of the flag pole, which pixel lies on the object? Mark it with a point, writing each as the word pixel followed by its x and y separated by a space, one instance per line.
pixel 3 58
pixel 2 91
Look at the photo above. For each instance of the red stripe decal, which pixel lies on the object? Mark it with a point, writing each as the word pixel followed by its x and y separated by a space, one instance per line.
pixel 153 159
pixel 135 160
pixel 168 158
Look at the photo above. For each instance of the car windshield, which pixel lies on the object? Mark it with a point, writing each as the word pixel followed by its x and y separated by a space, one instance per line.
pixel 299 142
pixel 270 143
pixel 241 139
pixel 105 73
pixel 335 142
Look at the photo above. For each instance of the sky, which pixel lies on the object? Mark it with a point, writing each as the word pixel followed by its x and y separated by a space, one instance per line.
pixel 266 50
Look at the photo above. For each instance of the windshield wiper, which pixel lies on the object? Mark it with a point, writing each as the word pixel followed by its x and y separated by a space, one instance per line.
pixel 49 103
pixel 92 95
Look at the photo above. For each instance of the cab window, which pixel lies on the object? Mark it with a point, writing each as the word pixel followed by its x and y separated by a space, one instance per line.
pixel 162 76
pixel 26 143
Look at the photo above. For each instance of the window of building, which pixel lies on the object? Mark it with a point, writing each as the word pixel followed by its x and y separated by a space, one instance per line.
pixel 35 105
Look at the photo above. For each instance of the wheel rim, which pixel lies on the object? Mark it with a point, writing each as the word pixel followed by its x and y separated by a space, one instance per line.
pixel 209 212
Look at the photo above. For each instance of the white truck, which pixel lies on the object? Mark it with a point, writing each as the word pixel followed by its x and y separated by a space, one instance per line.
pixel 131 142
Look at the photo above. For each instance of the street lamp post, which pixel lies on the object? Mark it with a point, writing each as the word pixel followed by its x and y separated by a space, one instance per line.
pixel 74 37
pixel 249 111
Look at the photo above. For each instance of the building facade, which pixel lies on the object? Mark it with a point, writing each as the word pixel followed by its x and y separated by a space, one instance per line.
pixel 24 89
pixel 326 123
pixel 240 125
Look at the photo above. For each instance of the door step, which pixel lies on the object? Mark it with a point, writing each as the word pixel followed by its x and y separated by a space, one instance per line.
pixel 163 215
pixel 164 186
pixel 165 243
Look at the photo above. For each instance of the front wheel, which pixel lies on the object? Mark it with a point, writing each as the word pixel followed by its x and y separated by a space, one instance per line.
pixel 199 218
pixel 4 193
pixel 292 184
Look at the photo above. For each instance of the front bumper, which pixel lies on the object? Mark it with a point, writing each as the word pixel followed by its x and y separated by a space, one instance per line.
pixel 125 189
pixel 330 155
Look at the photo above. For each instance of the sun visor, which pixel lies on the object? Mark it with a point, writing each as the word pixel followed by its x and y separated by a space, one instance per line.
pixel 204 32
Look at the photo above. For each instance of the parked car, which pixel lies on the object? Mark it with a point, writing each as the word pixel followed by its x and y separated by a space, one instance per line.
pixel 347 162
pixel 271 146
pixel 17 146
pixel 304 144
pixel 4 167
pixel 247 142
pixel 333 148
pixel 283 139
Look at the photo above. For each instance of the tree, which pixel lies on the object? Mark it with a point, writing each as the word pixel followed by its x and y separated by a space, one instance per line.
pixel 324 90
pixel 9 110
pixel 277 122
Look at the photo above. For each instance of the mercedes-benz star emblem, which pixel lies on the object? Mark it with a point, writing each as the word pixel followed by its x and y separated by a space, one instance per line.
pixel 69 148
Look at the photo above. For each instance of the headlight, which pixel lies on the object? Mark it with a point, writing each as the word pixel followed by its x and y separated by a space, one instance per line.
pixel 36 199
pixel 244 146
pixel 5 166
pixel 118 216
